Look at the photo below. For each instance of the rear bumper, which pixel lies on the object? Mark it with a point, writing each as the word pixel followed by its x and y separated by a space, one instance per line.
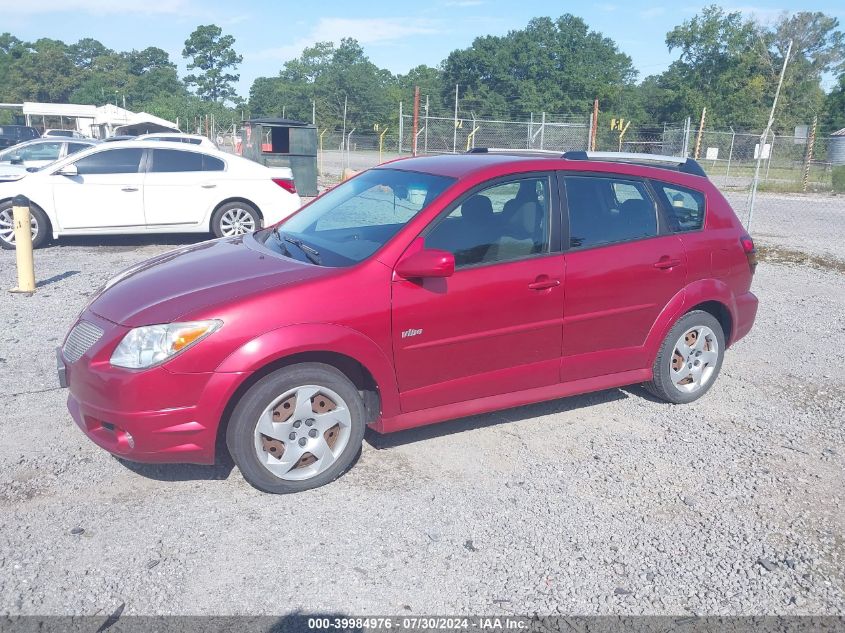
pixel 746 312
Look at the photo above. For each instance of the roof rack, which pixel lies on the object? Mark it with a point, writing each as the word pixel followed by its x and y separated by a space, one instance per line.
pixel 524 152
pixel 676 163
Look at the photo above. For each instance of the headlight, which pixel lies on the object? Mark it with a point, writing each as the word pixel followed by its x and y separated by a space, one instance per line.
pixel 153 344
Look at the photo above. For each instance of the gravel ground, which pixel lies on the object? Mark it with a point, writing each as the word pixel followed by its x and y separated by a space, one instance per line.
pixel 598 504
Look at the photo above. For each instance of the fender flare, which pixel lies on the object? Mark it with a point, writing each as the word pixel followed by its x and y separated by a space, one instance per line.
pixel 693 294
pixel 286 341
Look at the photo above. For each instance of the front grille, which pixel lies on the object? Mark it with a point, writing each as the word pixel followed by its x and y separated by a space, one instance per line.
pixel 81 338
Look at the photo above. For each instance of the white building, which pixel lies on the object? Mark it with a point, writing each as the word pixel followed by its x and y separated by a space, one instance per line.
pixel 93 121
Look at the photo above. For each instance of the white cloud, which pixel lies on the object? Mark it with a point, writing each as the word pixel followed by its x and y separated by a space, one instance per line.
pixel 760 14
pixel 96 7
pixel 607 7
pixel 463 3
pixel 365 30
pixel 652 12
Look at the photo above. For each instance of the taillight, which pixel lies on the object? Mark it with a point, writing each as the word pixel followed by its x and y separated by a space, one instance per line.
pixel 286 183
pixel 750 251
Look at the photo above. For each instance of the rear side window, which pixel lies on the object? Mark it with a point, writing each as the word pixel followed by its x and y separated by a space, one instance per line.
pixel 608 210
pixel 209 163
pixel 112 161
pixel 686 207
pixel 72 148
pixel 170 160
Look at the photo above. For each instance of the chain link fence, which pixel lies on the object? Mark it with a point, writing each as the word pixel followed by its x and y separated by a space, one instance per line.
pixel 791 176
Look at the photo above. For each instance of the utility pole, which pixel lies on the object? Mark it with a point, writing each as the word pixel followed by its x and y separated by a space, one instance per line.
pixel 343 137
pixel 595 125
pixel 313 112
pixel 763 138
pixel 455 129
pixel 401 128
pixel 810 142
pixel 700 133
pixel 416 119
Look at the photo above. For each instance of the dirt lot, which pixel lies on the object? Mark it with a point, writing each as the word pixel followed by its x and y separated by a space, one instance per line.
pixel 605 503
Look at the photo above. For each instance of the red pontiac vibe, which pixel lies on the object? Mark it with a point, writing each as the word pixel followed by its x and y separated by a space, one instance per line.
pixel 422 290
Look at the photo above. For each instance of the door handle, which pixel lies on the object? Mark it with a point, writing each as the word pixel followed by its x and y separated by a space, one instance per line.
pixel 209 185
pixel 666 262
pixel 129 189
pixel 544 283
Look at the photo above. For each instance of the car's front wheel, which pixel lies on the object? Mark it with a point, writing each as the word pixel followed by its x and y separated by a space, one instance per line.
pixel 37 220
pixel 297 428
pixel 235 218
pixel 689 359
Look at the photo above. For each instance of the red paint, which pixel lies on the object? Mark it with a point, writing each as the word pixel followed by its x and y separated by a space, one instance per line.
pixel 493 336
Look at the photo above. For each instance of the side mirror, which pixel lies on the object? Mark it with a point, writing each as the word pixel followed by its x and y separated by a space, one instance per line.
pixel 16 160
pixel 68 170
pixel 426 263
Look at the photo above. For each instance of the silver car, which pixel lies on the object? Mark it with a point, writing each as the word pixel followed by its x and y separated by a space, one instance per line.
pixel 15 161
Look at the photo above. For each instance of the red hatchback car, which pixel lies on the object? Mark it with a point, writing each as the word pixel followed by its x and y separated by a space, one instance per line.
pixel 422 290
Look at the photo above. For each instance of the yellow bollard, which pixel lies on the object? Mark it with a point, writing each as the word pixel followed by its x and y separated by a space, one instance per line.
pixel 347 174
pixel 23 245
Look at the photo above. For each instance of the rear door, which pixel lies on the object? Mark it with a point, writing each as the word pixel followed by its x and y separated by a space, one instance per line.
pixel 181 187
pixel 622 268
pixel 106 193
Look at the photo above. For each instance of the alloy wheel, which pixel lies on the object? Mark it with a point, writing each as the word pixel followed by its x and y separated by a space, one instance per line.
pixel 7 226
pixel 694 359
pixel 236 221
pixel 302 432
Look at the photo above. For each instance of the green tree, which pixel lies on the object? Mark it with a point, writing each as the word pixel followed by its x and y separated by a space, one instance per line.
pixel 555 66
pixel 212 53
pixel 833 116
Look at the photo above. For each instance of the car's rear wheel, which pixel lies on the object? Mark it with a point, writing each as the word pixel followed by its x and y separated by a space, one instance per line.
pixel 689 359
pixel 235 218
pixel 297 428
pixel 37 219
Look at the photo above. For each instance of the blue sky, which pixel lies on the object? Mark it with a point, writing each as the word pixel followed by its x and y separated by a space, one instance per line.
pixel 397 36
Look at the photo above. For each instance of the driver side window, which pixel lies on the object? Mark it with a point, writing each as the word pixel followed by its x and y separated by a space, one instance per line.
pixel 505 222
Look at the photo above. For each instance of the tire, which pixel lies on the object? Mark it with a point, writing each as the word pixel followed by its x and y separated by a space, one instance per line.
pixel 696 339
pixel 290 413
pixel 235 218
pixel 40 224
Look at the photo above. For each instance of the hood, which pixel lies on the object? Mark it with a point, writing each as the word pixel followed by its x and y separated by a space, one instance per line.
pixel 180 282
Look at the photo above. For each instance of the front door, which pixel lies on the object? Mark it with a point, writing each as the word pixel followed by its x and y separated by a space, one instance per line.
pixel 106 194
pixel 495 325
pixel 622 268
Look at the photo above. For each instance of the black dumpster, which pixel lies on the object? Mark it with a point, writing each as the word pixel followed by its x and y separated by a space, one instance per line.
pixel 284 143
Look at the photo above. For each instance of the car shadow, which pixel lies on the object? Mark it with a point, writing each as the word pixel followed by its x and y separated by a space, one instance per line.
pixel 218 471
pixel 517 414
pixel 117 243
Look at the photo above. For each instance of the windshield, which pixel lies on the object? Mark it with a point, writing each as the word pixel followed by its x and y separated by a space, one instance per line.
pixel 352 221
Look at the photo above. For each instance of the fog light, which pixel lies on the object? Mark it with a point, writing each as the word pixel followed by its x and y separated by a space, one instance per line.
pixel 129 439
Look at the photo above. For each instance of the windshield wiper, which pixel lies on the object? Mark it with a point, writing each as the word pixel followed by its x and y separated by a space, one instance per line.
pixel 312 254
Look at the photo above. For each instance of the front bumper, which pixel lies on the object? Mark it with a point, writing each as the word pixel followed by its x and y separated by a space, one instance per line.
pixel 151 415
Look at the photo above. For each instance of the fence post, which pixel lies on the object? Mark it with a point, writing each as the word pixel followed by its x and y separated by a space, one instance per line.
pixel 455 129
pixel 809 159
pixel 425 146
pixel 730 156
pixel 595 127
pixel 23 245
pixel 401 128
pixel 542 130
pixel 589 133
pixel 416 125
pixel 685 147
pixel 530 125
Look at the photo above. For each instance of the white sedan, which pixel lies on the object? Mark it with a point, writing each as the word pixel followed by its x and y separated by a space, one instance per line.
pixel 149 187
